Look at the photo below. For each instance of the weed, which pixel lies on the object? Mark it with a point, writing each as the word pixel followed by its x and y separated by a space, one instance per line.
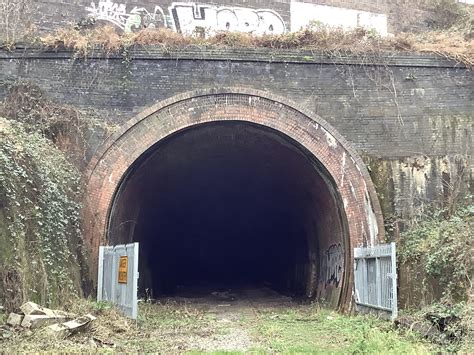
pixel 101 306
pixel 332 41
pixel 170 327
pixel 446 14
pixel 442 248
pixel 41 245
pixel 15 20
pixel 307 329
pixel 67 127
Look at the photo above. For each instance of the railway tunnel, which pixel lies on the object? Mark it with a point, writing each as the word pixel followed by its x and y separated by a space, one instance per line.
pixel 228 199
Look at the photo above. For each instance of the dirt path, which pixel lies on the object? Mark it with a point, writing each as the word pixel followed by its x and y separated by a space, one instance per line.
pixel 232 311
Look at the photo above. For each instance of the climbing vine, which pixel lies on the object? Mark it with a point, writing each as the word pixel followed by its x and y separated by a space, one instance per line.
pixel 70 129
pixel 443 249
pixel 40 239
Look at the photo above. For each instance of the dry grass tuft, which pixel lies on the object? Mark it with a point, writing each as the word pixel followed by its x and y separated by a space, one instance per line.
pixel 449 44
pixel 83 41
pixel 109 323
pixel 454 45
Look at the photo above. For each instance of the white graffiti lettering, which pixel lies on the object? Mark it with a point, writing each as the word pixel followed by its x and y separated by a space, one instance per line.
pixel 193 18
pixel 135 19
pixel 332 264
pixel 188 17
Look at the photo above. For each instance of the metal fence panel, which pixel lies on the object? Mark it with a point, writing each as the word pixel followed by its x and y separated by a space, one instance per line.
pixel 118 277
pixel 375 277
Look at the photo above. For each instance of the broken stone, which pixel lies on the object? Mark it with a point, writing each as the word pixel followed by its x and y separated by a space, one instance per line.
pixel 34 321
pixel 14 319
pixel 63 330
pixel 31 308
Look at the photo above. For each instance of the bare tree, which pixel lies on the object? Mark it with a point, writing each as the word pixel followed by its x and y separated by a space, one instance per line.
pixel 15 19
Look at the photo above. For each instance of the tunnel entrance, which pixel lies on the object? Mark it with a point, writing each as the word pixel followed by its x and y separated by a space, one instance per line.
pixel 233 186
pixel 231 204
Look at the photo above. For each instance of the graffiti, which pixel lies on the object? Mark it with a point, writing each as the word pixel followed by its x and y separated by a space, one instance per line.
pixel 332 264
pixel 188 17
pixel 127 21
pixel 206 19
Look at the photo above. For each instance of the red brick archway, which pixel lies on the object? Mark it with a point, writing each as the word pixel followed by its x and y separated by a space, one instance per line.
pixel 359 205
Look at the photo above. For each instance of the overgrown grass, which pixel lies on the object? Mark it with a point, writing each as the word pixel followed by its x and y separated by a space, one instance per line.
pixel 178 328
pixel 332 41
pixel 309 329
pixel 437 249
pixel 441 247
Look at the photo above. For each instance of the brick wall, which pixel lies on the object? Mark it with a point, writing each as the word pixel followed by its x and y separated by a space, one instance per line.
pixel 411 116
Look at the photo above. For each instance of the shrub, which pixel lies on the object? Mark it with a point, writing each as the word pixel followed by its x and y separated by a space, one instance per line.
pixel 40 240
pixel 446 14
pixel 443 248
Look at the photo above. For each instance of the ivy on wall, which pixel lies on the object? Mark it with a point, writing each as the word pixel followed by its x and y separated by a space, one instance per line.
pixel 442 250
pixel 40 239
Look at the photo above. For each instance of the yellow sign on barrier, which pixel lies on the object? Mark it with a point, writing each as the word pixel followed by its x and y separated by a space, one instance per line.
pixel 123 269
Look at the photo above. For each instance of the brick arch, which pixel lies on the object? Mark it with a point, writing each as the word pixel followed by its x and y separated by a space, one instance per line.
pixel 360 206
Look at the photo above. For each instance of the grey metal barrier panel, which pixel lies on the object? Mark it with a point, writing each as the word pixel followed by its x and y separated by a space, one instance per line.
pixel 117 279
pixel 375 279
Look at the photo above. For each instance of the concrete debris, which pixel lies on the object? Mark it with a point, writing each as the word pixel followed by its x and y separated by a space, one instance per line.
pixel 34 316
pixel 31 308
pixel 34 321
pixel 65 329
pixel 34 309
pixel 14 319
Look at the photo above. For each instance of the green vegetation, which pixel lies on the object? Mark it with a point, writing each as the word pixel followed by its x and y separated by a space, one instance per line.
pixel 68 128
pixel 185 328
pixel 40 240
pixel 438 249
pixel 442 249
pixel 308 329
pixel 43 146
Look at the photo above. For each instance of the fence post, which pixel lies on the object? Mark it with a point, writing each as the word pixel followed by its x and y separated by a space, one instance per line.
pixel 100 274
pixel 394 282
pixel 378 281
pixel 135 281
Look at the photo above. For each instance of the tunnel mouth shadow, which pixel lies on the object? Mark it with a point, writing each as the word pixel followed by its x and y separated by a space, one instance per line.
pixel 232 206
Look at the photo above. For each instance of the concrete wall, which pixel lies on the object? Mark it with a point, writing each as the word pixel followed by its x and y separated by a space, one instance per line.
pixel 409 116
pixel 255 16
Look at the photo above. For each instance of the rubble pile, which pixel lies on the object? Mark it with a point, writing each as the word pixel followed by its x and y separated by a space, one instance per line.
pixel 57 323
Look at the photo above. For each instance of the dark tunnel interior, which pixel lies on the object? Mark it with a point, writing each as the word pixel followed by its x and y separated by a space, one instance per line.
pixel 225 204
